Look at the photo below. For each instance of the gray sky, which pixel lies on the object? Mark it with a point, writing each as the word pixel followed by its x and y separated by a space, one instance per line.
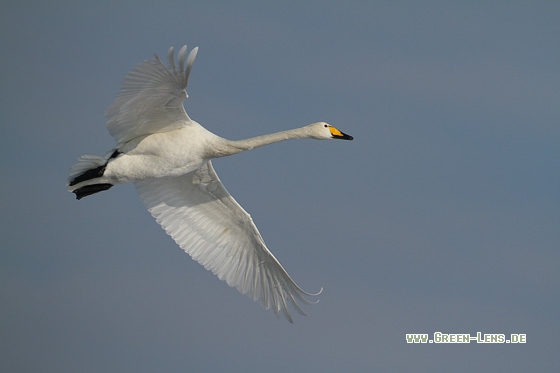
pixel 442 215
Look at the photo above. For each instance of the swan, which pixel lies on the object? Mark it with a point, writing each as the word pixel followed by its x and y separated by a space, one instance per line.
pixel 168 156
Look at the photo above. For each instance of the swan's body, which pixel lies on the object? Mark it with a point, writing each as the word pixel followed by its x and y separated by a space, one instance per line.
pixel 168 158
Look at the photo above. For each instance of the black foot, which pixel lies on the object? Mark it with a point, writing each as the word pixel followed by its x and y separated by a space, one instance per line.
pixel 94 172
pixel 90 189
pixel 89 174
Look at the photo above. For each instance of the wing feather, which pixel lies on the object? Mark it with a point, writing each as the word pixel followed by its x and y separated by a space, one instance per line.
pixel 151 98
pixel 206 222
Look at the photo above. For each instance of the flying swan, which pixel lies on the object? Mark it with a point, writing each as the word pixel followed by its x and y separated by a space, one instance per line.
pixel 167 156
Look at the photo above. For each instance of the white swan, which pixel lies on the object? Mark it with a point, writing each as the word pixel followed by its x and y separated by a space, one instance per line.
pixel 168 158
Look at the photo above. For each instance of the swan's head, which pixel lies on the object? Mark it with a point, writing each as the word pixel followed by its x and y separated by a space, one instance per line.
pixel 324 131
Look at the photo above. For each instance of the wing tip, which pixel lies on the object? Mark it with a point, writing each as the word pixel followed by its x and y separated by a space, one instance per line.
pixel 185 62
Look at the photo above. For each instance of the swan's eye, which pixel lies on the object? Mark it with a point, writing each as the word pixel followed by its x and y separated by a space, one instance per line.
pixel 326 125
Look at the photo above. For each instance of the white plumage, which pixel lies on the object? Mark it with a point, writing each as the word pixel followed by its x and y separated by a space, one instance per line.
pixel 168 158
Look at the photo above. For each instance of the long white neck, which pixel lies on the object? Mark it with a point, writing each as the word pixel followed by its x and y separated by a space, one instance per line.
pixel 230 147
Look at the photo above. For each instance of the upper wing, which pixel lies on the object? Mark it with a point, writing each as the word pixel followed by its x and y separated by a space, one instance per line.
pixel 205 221
pixel 151 98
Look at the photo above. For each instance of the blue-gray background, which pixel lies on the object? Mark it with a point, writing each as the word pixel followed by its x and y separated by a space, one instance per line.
pixel 442 215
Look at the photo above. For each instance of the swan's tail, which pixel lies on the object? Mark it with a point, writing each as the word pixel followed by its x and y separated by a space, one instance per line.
pixel 83 180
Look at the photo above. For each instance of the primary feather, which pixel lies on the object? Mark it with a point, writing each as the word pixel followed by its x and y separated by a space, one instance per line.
pixel 151 99
pixel 203 218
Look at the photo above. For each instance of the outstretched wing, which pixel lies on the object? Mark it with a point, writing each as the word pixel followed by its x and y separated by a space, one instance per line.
pixel 203 218
pixel 151 98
